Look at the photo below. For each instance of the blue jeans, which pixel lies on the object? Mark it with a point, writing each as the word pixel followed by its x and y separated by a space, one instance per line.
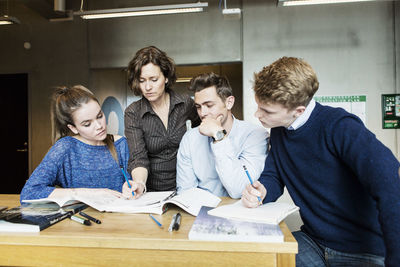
pixel 313 254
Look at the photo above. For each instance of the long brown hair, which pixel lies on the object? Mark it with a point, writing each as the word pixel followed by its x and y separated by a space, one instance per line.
pixel 65 101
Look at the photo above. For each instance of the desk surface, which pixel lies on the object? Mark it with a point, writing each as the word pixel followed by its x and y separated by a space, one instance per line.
pixel 129 235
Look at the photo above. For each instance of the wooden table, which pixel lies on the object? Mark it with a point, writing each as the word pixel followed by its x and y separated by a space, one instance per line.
pixel 132 240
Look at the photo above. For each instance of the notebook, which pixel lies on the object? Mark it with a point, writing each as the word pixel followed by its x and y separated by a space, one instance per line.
pixel 271 213
pixel 35 217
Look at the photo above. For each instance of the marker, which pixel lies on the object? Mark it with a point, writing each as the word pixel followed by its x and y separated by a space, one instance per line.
pixel 89 217
pixel 251 182
pixel 80 220
pixel 126 179
pixel 155 220
pixel 175 222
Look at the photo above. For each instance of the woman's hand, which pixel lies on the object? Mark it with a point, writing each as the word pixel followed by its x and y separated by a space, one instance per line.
pixel 138 188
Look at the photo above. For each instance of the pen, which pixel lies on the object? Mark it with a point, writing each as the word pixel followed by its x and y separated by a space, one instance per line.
pixel 165 199
pixel 251 181
pixel 80 220
pixel 155 220
pixel 89 217
pixel 126 179
pixel 175 222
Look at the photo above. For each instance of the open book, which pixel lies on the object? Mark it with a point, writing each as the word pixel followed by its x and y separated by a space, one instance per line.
pixel 212 228
pixel 35 217
pixel 151 202
pixel 271 213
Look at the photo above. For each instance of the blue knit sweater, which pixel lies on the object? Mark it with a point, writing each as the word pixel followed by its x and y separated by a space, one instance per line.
pixel 344 180
pixel 71 163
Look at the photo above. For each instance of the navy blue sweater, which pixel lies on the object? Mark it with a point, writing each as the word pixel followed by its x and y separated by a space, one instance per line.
pixel 344 180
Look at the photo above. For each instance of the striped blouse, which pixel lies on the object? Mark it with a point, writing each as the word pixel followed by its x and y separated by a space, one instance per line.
pixel 151 145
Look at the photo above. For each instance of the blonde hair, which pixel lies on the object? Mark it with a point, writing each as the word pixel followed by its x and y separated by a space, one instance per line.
pixel 65 101
pixel 288 81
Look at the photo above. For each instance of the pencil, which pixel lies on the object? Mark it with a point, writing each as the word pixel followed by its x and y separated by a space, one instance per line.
pixel 251 182
pixel 126 179
pixel 155 220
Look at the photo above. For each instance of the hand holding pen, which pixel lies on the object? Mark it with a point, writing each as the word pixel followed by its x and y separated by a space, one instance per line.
pixel 127 183
pixel 257 194
pixel 251 194
pixel 132 189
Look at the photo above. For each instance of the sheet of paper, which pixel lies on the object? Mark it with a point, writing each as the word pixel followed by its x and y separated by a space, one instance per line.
pixel 272 213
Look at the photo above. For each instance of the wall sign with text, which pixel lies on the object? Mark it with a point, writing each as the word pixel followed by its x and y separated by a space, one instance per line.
pixel 391 111
pixel 355 104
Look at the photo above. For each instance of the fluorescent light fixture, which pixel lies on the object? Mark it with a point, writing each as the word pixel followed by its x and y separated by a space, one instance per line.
pixel 6 20
pixel 184 79
pixel 317 2
pixel 142 11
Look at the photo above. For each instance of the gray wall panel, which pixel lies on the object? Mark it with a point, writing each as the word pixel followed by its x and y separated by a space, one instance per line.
pixel 188 38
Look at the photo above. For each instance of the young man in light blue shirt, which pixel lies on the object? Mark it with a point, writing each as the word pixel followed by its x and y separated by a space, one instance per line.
pixel 213 155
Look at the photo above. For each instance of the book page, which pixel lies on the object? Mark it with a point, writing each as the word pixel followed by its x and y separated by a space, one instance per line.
pixel 272 213
pixel 112 203
pixel 109 202
pixel 60 201
pixel 151 202
pixel 18 227
pixel 193 199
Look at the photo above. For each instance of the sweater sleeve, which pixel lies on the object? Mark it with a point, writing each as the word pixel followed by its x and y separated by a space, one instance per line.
pixel 378 171
pixel 271 180
pixel 122 147
pixel 43 179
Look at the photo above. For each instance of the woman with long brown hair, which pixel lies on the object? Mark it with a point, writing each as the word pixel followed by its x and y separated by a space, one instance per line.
pixel 84 158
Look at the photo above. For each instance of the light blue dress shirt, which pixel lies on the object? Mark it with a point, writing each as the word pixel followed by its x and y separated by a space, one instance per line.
pixel 303 118
pixel 218 167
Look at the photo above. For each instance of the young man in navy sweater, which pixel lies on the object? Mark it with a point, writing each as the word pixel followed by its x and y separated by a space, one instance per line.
pixel 344 180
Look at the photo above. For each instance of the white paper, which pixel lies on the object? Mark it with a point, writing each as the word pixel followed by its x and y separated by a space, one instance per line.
pixel 190 200
pixel 271 213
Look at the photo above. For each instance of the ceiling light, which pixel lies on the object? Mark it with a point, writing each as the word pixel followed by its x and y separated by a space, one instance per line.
pixel 317 2
pixel 142 11
pixel 6 20
pixel 184 79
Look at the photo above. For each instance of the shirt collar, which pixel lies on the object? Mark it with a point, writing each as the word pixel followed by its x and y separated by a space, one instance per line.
pixel 303 118
pixel 173 101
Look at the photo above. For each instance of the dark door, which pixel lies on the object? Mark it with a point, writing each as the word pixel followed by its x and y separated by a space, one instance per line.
pixel 14 132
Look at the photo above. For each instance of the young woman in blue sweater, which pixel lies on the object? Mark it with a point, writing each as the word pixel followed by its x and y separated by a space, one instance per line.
pixel 84 158
pixel 344 180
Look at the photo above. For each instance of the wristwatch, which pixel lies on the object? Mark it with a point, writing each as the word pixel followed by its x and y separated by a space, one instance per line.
pixel 219 135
